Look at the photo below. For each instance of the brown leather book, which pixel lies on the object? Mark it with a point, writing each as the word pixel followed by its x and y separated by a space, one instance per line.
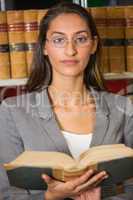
pixel 129 37
pixel 15 20
pixel 4 48
pixel 31 32
pixel 100 17
pixel 116 38
pixel 41 14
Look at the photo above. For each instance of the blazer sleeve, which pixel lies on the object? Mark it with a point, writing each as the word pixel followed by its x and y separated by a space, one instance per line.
pixel 10 142
pixel 11 146
pixel 128 140
pixel 4 185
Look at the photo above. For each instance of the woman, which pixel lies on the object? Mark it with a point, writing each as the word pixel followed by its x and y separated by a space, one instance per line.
pixel 66 108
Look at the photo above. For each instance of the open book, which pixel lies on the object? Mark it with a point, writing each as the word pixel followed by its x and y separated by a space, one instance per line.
pixel 26 170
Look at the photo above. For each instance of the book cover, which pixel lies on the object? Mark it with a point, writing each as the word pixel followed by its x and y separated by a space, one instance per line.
pixel 100 18
pixel 4 48
pixel 41 14
pixel 15 20
pixel 31 32
pixel 116 39
pixel 129 37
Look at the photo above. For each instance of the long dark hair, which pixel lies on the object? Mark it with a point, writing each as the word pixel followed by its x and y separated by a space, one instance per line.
pixel 41 73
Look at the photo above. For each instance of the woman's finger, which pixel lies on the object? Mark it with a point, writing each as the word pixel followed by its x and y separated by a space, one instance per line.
pixel 80 180
pixel 96 184
pixel 92 181
pixel 47 178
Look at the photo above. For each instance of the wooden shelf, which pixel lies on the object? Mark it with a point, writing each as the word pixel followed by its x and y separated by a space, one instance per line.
pixel 118 76
pixel 107 76
pixel 12 82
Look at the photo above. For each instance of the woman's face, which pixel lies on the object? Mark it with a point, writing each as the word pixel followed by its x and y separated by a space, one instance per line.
pixel 69 45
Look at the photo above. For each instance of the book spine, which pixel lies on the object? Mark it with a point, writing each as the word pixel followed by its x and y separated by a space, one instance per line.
pixel 129 37
pixel 116 39
pixel 4 48
pixel 41 14
pixel 15 20
pixel 31 30
pixel 100 17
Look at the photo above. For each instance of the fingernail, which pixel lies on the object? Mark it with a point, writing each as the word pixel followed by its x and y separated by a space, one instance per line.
pixel 43 176
pixel 104 173
pixel 105 177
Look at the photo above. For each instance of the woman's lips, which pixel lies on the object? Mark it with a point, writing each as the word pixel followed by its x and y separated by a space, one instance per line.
pixel 70 62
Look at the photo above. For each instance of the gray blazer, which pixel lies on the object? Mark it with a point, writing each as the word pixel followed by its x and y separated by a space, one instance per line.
pixel 27 122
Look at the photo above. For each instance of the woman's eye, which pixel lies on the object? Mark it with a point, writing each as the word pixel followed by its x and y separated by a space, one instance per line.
pixel 58 40
pixel 81 39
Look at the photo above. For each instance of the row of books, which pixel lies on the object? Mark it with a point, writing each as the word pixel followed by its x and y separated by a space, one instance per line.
pixel 18 35
pixel 19 31
pixel 115 25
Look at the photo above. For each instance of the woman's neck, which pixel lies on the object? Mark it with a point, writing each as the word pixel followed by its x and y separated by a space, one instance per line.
pixel 68 94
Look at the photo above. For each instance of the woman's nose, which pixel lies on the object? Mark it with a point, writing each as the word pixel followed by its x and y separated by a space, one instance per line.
pixel 70 49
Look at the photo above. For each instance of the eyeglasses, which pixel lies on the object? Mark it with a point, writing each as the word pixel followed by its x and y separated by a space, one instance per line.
pixel 62 41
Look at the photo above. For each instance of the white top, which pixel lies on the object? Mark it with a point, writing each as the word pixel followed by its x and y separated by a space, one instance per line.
pixel 77 143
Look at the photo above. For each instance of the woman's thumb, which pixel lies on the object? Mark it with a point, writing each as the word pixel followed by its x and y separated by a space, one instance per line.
pixel 46 178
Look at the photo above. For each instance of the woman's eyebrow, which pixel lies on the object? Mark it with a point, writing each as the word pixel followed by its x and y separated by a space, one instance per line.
pixel 77 32
pixel 57 32
pixel 82 31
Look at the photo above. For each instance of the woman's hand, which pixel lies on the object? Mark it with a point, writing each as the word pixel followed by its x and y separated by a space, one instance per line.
pixel 90 194
pixel 74 188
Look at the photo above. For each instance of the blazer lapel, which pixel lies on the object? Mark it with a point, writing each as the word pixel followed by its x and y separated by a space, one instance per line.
pixel 49 122
pixel 102 119
pixel 52 129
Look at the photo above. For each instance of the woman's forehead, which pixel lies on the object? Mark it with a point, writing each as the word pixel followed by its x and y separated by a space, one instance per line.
pixel 68 22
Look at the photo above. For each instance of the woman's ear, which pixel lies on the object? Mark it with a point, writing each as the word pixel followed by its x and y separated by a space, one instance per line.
pixel 94 46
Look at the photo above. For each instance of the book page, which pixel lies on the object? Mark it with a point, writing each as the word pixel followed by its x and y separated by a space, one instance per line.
pixel 104 153
pixel 51 159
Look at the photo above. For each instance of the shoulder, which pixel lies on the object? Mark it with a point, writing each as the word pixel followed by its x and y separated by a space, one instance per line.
pixel 108 97
pixel 17 106
pixel 114 102
pixel 19 101
pixel 112 98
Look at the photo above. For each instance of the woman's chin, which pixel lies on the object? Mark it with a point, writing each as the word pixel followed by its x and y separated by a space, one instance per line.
pixel 72 73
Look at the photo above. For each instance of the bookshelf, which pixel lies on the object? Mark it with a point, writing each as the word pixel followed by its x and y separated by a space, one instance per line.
pixel 12 82
pixel 107 76
pixel 118 76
